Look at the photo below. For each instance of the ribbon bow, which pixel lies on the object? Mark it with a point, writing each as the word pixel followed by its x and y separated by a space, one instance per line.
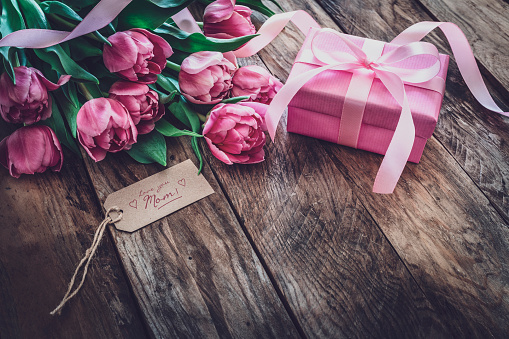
pixel 385 68
pixel 391 75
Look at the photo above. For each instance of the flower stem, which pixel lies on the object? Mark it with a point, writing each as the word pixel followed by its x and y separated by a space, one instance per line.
pixel 16 60
pixel 85 91
pixel 173 66
pixel 201 117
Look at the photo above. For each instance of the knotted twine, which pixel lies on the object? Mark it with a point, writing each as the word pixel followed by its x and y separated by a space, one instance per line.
pixel 88 257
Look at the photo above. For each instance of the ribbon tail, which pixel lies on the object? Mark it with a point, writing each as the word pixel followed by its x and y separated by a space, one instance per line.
pixel 101 15
pixel 283 98
pixel 272 27
pixel 462 53
pixel 402 141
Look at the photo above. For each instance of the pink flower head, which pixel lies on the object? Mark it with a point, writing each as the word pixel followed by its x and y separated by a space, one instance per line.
pixel 234 132
pixel 105 125
pixel 224 20
pixel 206 77
pixel 136 55
pixel 141 102
pixel 31 149
pixel 255 82
pixel 28 101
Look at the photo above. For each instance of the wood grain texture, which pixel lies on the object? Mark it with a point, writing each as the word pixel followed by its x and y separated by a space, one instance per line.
pixel 47 223
pixel 452 238
pixel 476 137
pixel 486 25
pixel 339 275
pixel 194 273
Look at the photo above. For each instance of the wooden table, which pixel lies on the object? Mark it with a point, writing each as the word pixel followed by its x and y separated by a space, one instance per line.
pixel 296 246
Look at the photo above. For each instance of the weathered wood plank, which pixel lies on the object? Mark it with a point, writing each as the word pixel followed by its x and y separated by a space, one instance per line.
pixel 448 233
pixel 194 272
pixel 486 25
pixel 475 136
pixel 336 270
pixel 47 222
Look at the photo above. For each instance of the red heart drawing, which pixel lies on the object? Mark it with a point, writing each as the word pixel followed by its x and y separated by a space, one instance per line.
pixel 182 182
pixel 134 204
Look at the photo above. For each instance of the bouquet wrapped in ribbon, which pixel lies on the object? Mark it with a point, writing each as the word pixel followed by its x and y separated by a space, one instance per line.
pixel 121 75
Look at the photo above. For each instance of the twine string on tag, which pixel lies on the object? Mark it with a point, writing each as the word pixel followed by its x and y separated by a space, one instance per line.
pixel 88 257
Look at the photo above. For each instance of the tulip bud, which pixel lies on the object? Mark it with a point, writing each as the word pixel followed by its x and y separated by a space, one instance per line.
pixel 31 149
pixel 234 132
pixel 255 82
pixel 141 102
pixel 224 20
pixel 28 101
pixel 206 77
pixel 136 55
pixel 105 125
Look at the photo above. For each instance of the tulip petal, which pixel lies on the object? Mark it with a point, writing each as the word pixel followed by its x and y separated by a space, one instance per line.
pixel 122 54
pixel 218 153
pixel 197 62
pixel 128 88
pixel 218 11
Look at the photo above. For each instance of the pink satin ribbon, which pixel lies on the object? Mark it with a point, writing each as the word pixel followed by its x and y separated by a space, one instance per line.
pixel 100 16
pixel 385 69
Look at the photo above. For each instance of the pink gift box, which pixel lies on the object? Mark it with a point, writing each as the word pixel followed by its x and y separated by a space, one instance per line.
pixel 316 109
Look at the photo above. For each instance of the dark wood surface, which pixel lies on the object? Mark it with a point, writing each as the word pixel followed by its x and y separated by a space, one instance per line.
pixel 296 246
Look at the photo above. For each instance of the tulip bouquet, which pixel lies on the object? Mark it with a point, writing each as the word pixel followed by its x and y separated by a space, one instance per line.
pixel 130 84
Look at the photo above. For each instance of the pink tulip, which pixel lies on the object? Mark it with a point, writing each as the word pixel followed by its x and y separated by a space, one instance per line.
pixel 136 55
pixel 234 132
pixel 28 101
pixel 255 82
pixel 224 20
pixel 206 77
pixel 105 125
pixel 31 149
pixel 141 102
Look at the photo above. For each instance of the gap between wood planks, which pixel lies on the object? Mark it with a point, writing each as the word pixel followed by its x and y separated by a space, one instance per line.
pixel 280 294
pixel 495 87
pixel 110 230
pixel 285 302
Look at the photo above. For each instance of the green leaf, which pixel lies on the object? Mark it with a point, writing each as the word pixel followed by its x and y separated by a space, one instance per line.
pixel 196 149
pixel 62 63
pixel 168 130
pixel 168 83
pixel 61 9
pixel 196 42
pixel 168 3
pixel 235 100
pixel 70 111
pixel 82 49
pixel 34 16
pixel 71 93
pixel 54 55
pixel 79 4
pixel 186 115
pixel 11 20
pixel 57 124
pixel 150 148
pixel 146 14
